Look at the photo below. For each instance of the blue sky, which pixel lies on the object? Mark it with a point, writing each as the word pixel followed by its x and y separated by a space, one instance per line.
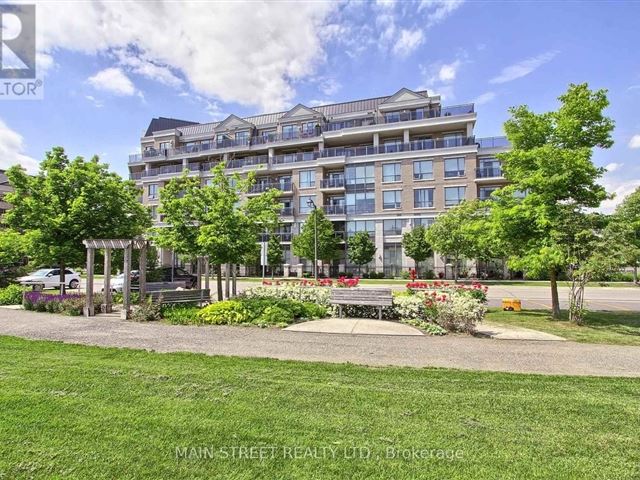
pixel 109 67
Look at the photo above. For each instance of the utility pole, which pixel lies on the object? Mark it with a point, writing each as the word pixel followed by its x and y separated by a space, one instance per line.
pixel 312 204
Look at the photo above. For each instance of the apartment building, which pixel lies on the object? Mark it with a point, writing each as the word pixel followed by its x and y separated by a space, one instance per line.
pixel 380 165
pixel 4 189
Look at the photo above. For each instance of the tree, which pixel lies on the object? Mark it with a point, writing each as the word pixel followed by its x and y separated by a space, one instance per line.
pixel 361 248
pixel 15 247
pixel 70 201
pixel 275 253
pixel 550 166
pixel 328 245
pixel 625 226
pixel 416 246
pixel 453 234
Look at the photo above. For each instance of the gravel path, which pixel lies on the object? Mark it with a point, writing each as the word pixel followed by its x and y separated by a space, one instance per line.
pixel 565 358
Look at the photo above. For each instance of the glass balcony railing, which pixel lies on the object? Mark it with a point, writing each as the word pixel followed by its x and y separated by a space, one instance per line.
pixel 493 142
pixel 415 145
pixel 295 157
pixel 172 169
pixel 488 172
pixel 287 211
pixel 332 183
pixel 263 187
pixel 248 161
pixel 334 209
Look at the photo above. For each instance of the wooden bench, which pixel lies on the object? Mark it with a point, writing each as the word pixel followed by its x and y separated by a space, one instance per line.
pixel 167 297
pixel 376 297
pixel 159 286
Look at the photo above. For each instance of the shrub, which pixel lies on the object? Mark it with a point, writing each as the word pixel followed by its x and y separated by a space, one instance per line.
pixel 71 304
pixel 227 312
pixel 347 282
pixel 11 295
pixel 300 293
pixel 147 312
pixel 409 307
pixel 428 327
pixel 180 314
pixel 274 315
pixel 460 313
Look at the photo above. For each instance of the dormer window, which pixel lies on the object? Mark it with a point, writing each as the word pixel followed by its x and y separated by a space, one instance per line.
pixel 289 132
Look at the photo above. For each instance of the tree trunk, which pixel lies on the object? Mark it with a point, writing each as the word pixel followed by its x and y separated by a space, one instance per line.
pixel 234 281
pixel 63 279
pixel 555 302
pixel 219 281
pixel 227 277
pixel 635 273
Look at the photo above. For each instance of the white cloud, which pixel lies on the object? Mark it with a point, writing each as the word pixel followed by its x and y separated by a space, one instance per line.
pixel 329 86
pixel 252 53
pixel 635 141
pixel 484 98
pixel 316 102
pixel 523 68
pixel 613 166
pixel 438 10
pixel 634 87
pixel 447 72
pixel 113 80
pixel 96 103
pixel 620 189
pixel 148 69
pixel 12 150
pixel 438 78
pixel 408 41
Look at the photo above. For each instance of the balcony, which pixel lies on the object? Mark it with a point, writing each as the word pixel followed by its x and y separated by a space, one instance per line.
pixel 488 172
pixel 493 142
pixel 295 157
pixel 248 161
pixel 171 169
pixel 263 187
pixel 334 209
pixel 416 145
pixel 287 212
pixel 332 183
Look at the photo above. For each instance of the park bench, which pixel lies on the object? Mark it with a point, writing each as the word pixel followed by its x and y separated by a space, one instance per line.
pixel 159 286
pixel 376 297
pixel 167 297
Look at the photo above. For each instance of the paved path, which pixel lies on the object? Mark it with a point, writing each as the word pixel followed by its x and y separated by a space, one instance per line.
pixel 510 332
pixel 415 351
pixel 355 326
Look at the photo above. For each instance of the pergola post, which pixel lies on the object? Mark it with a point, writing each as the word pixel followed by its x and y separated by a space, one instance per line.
pixel 199 273
pixel 207 272
pixel 142 279
pixel 88 309
pixel 107 280
pixel 126 284
pixel 227 273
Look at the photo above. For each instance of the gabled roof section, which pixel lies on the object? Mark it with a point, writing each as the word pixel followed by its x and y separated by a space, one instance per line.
pixel 404 95
pixel 164 123
pixel 233 121
pixel 301 111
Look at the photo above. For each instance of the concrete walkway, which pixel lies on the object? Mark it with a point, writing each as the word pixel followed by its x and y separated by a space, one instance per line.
pixel 510 332
pixel 354 326
pixel 451 351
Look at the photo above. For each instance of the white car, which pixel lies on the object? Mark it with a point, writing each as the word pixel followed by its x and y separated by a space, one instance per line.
pixel 50 278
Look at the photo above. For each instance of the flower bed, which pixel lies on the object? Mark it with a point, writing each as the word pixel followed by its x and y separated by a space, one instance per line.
pixel 70 304
pixel 342 282
pixel 475 290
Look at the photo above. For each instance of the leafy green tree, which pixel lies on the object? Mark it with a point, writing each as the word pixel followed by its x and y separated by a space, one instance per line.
pixel 15 247
pixel 328 244
pixel 275 253
pixel 453 234
pixel 625 226
pixel 416 246
pixel 69 201
pixel 361 249
pixel 550 162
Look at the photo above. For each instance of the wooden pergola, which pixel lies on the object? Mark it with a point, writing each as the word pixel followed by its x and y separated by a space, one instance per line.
pixel 107 245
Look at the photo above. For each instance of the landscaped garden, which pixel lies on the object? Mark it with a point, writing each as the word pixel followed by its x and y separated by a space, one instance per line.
pixel 73 411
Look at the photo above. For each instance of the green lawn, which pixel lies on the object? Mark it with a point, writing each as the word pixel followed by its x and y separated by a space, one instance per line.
pixel 85 412
pixel 619 328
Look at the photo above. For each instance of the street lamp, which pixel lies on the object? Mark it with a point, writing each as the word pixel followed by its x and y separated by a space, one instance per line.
pixel 312 204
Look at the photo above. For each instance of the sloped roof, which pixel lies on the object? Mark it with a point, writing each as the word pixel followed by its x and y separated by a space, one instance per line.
pixel 164 123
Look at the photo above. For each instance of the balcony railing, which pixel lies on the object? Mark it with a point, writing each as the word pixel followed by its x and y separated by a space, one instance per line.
pixel 493 142
pixel 396 117
pixel 488 172
pixel 415 145
pixel 248 161
pixel 287 211
pixel 334 209
pixel 332 183
pixel 295 157
pixel 263 187
pixel 171 169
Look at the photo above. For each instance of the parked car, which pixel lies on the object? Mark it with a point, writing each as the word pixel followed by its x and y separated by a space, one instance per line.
pixel 50 278
pixel 162 274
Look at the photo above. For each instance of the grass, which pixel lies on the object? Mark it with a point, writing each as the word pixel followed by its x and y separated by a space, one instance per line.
pixel 617 328
pixel 72 411
pixel 524 283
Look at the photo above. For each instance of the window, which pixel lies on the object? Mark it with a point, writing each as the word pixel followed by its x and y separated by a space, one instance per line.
pixel 368 226
pixel 165 145
pixel 485 192
pixel 242 137
pixel 425 222
pixel 454 196
pixel 423 198
pixel 489 167
pixel 391 172
pixel 289 132
pixel 392 117
pixel 307 178
pixel 391 199
pixel 360 174
pixel 362 202
pixel 309 127
pixel 268 135
pixel 393 227
pixel 153 191
pixel 153 210
pixel 423 170
pixel 452 140
pixel 392 258
pixel 284 182
pixel 453 167
pixel 304 203
pixel 221 138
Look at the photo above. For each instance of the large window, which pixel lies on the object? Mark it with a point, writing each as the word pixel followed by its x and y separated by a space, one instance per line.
pixel 423 198
pixel 153 210
pixel 425 222
pixel 368 226
pixel 359 174
pixel 391 172
pixel 453 196
pixel 362 202
pixel 393 226
pixel 289 131
pixel 307 178
pixel 153 190
pixel 392 258
pixel 453 167
pixel 423 170
pixel 304 203
pixel 453 140
pixel 391 199
pixel 242 137
pixel 485 192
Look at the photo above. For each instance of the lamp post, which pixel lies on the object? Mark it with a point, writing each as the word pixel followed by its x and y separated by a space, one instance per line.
pixel 312 204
